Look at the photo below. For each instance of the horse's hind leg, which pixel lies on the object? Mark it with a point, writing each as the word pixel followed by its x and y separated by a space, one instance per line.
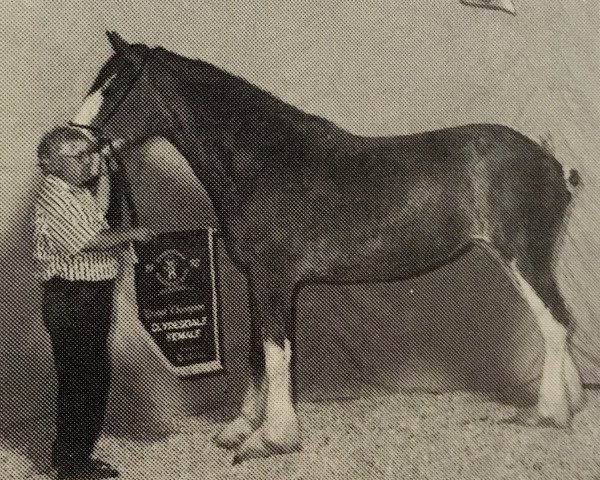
pixel 560 389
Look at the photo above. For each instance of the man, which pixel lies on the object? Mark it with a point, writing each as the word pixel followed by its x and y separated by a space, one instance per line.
pixel 77 257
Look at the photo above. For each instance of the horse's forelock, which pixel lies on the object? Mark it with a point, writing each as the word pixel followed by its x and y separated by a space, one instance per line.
pixel 117 62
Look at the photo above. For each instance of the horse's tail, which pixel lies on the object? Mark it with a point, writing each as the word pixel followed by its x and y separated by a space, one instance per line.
pixel 572 175
pixel 573 248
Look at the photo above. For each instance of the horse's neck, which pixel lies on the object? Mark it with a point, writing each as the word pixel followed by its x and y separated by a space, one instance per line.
pixel 247 143
pixel 223 160
pixel 219 185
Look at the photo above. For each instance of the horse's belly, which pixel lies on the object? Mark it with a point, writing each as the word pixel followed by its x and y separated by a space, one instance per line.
pixel 384 245
pixel 364 233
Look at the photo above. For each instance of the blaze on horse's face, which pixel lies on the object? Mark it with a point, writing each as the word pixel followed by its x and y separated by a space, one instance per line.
pixel 114 93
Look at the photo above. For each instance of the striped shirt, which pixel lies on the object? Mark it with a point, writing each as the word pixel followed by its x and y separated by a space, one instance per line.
pixel 66 219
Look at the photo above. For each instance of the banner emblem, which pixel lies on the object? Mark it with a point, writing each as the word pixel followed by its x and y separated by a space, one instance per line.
pixel 176 291
pixel 173 268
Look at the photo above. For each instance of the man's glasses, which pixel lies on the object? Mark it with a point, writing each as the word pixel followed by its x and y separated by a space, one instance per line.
pixel 85 153
pixel 103 147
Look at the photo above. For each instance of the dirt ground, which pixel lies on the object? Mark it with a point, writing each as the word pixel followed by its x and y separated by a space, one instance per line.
pixel 408 436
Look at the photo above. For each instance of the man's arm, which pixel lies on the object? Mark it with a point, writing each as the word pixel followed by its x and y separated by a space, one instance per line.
pixel 107 239
pixel 71 231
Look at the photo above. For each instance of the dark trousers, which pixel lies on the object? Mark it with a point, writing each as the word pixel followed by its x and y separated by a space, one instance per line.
pixel 77 316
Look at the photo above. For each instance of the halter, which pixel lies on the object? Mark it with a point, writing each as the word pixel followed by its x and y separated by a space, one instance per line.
pixel 106 143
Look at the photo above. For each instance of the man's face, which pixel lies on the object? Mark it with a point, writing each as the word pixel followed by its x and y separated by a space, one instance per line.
pixel 79 161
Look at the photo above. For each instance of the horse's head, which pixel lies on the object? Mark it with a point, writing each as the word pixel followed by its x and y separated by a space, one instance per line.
pixel 120 101
pixel 220 123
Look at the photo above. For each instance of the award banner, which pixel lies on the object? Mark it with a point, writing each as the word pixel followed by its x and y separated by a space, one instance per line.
pixel 175 284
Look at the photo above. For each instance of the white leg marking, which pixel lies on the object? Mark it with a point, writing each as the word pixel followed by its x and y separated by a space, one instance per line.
pixel 280 432
pixel 277 359
pixel 249 419
pixel 573 383
pixel 89 109
pixel 553 401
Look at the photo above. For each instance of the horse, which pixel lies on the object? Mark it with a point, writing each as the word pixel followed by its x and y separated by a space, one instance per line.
pixel 300 201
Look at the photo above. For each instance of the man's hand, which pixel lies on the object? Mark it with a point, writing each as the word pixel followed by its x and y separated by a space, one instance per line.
pixel 108 239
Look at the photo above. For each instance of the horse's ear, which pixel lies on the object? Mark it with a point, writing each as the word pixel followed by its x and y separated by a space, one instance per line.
pixel 120 46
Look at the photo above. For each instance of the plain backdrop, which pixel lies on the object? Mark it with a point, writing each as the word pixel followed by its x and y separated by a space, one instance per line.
pixel 376 68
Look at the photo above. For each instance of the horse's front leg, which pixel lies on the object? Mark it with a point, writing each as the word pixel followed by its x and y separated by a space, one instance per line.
pixel 251 413
pixel 280 430
pixel 249 418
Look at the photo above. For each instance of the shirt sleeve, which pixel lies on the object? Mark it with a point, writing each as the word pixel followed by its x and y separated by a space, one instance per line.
pixel 65 225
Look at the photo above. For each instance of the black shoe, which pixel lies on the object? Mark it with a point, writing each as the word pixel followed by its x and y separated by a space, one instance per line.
pixel 91 469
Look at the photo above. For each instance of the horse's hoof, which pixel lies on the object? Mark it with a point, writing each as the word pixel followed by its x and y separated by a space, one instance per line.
pixel 282 440
pixel 259 445
pixel 556 415
pixel 252 447
pixel 234 433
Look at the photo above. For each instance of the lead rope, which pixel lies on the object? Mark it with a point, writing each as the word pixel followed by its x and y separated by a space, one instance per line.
pixel 121 195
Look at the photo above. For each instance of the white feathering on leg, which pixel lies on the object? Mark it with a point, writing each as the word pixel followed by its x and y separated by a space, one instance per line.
pixel 553 404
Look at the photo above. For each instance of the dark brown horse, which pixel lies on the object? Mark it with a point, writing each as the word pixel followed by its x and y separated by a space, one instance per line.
pixel 300 200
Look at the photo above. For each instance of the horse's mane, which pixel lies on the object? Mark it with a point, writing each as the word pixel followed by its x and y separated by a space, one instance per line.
pixel 201 72
pixel 253 113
